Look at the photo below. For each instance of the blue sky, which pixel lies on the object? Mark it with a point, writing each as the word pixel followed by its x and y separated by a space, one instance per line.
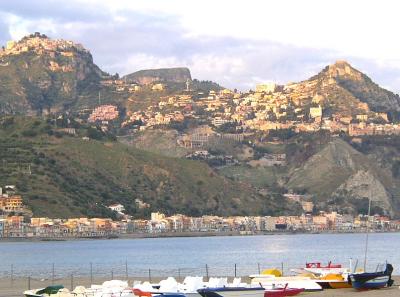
pixel 236 43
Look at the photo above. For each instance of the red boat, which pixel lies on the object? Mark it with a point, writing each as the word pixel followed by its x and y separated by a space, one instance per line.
pixel 318 265
pixel 282 292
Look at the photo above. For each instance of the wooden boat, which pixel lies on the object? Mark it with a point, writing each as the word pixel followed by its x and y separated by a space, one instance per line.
pixel 372 280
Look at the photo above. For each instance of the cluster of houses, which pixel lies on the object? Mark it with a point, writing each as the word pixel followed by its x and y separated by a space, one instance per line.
pixel 40 44
pixel 270 107
pixel 104 113
pixel 16 226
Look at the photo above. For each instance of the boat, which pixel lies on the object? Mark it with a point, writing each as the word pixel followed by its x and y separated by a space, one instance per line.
pixel 189 287
pixel 318 269
pixel 170 286
pixel 48 291
pixel 108 288
pixel 372 280
pixel 307 283
pixel 335 281
pixel 282 292
pixel 232 292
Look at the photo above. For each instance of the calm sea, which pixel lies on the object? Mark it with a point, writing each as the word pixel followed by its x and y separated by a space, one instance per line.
pixel 189 256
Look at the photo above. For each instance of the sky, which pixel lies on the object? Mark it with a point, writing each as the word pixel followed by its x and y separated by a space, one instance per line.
pixel 235 43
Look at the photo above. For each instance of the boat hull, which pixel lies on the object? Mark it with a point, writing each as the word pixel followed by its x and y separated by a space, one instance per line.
pixel 309 285
pixel 232 292
pixel 360 283
pixel 339 285
pixel 282 292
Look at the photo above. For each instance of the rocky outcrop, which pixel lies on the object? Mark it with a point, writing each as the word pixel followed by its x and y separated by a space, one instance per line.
pixel 364 184
pixel 338 168
pixel 43 74
pixel 145 77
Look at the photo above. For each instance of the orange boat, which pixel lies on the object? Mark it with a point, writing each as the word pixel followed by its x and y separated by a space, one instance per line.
pixel 336 281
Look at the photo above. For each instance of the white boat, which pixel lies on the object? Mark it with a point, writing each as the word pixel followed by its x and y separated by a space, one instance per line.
pixel 319 270
pixel 107 289
pixel 189 287
pixel 295 282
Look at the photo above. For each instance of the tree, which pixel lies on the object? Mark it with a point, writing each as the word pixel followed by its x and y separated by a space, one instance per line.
pixel 94 133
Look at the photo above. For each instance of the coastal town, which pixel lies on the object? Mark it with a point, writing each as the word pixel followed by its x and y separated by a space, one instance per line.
pixel 176 225
pixel 203 149
pixel 17 222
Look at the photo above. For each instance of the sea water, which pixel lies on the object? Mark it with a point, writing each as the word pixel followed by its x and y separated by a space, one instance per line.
pixel 218 255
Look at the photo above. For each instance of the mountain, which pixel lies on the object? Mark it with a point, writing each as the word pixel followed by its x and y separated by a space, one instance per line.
pixel 63 175
pixel 39 74
pixel 340 176
pixel 148 76
pixel 340 88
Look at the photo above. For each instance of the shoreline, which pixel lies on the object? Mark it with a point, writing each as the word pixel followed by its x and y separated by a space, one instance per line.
pixel 16 287
pixel 181 235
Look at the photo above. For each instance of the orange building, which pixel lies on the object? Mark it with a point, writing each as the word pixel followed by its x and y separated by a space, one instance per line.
pixel 12 203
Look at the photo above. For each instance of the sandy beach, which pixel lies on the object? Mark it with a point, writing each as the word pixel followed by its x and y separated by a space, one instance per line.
pixel 15 288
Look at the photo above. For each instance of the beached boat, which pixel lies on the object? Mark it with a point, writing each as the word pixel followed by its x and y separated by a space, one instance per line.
pixel 48 291
pixel 170 286
pixel 318 269
pixel 189 287
pixel 297 282
pixel 282 292
pixel 335 281
pixel 232 292
pixel 108 288
pixel 372 280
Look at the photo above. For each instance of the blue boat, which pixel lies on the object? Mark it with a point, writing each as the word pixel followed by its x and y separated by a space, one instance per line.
pixel 232 292
pixel 372 280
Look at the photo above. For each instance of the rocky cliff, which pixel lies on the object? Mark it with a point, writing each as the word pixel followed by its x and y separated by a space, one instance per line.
pixel 39 74
pixel 175 75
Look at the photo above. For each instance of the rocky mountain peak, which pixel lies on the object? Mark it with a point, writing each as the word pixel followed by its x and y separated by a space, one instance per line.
pixel 342 68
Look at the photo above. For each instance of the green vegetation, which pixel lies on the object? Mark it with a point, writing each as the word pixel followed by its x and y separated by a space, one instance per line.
pixel 67 176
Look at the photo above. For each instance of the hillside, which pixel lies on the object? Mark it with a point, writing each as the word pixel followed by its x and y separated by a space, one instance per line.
pixel 339 175
pixel 340 88
pixel 38 74
pixel 63 176
pixel 148 76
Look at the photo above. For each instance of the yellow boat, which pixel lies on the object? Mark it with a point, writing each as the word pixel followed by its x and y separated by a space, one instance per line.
pixel 336 281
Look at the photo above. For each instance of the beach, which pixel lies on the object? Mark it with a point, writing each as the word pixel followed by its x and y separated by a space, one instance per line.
pixel 16 287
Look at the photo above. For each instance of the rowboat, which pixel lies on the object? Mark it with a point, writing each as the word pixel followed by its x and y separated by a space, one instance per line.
pixel 282 292
pixel 372 280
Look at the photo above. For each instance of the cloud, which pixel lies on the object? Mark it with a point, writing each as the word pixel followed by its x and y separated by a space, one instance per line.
pixel 236 44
